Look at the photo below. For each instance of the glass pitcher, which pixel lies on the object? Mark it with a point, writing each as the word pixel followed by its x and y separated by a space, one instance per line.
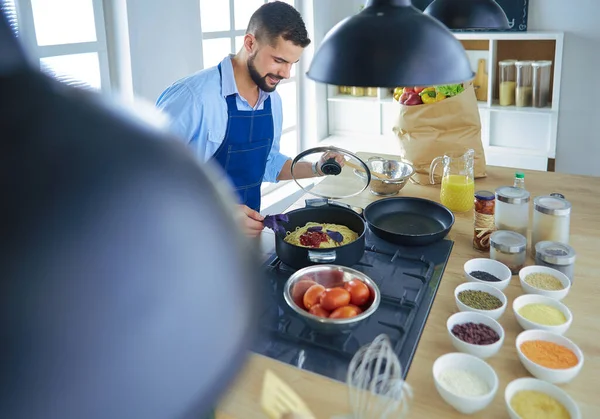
pixel 458 183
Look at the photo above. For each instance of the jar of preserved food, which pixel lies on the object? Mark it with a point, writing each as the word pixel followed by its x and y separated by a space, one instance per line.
pixel 559 256
pixel 483 219
pixel 512 209
pixel 510 248
pixel 551 220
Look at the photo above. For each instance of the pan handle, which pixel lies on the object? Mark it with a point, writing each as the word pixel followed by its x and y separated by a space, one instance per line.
pixel 322 257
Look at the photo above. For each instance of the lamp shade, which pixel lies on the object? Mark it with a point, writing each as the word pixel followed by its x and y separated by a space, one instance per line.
pixel 468 14
pixel 389 44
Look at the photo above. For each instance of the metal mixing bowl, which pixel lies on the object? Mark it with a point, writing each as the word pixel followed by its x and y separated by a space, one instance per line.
pixel 398 171
pixel 330 276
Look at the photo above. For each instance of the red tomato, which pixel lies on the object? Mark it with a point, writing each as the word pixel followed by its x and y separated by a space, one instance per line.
pixel 319 311
pixel 345 312
pixel 333 298
pixel 299 289
pixel 419 89
pixel 359 292
pixel 312 296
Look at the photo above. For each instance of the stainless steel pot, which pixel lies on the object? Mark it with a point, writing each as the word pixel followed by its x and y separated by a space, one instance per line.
pixel 331 276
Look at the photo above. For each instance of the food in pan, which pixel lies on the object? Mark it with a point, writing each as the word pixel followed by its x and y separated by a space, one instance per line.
pixel 321 235
pixel 338 302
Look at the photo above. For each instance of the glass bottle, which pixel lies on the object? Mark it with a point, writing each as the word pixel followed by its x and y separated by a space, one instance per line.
pixel 508 82
pixel 519 180
pixel 483 220
pixel 524 89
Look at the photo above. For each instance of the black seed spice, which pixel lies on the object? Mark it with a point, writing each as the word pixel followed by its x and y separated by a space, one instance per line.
pixel 484 276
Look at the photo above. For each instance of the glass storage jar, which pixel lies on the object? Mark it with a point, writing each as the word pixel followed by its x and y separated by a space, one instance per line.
pixel 512 209
pixel 483 220
pixel 559 256
pixel 524 89
pixel 508 82
pixel 509 248
pixel 371 91
pixel 541 83
pixel 357 91
pixel 551 220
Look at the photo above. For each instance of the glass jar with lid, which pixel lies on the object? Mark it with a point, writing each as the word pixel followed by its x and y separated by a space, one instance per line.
pixel 483 220
pixel 541 83
pixel 551 220
pixel 512 209
pixel 508 82
pixel 559 256
pixel 510 248
pixel 524 89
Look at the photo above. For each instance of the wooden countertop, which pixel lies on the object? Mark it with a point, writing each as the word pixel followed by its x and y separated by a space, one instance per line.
pixel 327 398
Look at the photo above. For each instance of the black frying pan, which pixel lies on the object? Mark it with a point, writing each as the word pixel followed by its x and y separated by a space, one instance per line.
pixel 409 221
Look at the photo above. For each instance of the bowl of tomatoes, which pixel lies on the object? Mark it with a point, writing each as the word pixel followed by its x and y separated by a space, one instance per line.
pixel 331 298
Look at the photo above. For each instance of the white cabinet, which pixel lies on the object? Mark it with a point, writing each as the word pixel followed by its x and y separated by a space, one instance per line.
pixel 513 137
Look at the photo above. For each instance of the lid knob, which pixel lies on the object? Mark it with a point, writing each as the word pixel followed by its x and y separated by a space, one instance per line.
pixel 331 167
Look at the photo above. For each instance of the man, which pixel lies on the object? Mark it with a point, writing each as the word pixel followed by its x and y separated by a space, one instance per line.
pixel 231 114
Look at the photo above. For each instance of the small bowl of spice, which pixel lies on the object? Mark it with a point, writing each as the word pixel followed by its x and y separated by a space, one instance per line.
pixel 475 334
pixel 549 356
pixel 480 298
pixel 465 382
pixel 544 313
pixel 530 398
pixel 488 271
pixel 544 281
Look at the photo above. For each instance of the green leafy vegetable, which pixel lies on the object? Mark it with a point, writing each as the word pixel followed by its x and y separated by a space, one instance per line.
pixel 450 90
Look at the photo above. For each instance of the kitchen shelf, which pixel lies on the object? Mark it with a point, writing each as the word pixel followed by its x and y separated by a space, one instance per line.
pixel 350 98
pixel 529 109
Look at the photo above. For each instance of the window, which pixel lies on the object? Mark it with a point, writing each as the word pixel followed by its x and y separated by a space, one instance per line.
pixel 224 24
pixel 66 37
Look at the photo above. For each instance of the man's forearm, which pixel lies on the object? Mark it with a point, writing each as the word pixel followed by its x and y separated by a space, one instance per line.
pixel 302 170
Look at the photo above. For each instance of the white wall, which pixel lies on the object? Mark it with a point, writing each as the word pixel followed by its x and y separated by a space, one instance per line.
pixel 578 144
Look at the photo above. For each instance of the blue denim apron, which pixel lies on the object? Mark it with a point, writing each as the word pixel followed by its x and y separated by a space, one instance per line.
pixel 245 148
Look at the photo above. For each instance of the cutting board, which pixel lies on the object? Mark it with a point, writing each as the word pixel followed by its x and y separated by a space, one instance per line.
pixel 481 81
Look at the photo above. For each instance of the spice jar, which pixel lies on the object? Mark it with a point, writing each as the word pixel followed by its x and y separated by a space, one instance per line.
pixel 524 89
pixel 483 219
pixel 559 256
pixel 541 83
pixel 508 82
pixel 512 209
pixel 551 220
pixel 509 248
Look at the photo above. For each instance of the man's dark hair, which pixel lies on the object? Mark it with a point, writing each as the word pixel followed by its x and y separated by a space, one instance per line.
pixel 275 19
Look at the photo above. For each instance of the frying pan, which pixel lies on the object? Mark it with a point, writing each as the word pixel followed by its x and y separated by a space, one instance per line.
pixel 408 220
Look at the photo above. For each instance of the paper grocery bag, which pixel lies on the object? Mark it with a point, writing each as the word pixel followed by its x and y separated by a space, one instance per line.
pixel 451 126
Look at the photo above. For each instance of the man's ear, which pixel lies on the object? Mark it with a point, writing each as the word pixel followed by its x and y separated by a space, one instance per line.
pixel 250 43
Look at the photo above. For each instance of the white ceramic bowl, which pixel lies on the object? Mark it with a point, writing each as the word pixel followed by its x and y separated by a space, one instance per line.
pixel 555 376
pixel 557 295
pixel 521 384
pixel 474 365
pixel 527 299
pixel 491 266
pixel 481 351
pixel 474 286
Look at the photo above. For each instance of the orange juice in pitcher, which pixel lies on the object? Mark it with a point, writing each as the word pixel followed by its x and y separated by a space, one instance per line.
pixel 458 184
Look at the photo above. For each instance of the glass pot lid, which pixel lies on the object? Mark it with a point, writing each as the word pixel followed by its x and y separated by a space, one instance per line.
pixel 341 174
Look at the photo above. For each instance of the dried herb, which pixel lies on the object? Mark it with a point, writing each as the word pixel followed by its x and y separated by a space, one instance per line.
pixel 314 228
pixel 336 236
pixel 274 222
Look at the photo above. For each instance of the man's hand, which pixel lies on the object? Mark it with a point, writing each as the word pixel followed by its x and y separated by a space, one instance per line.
pixel 252 221
pixel 328 155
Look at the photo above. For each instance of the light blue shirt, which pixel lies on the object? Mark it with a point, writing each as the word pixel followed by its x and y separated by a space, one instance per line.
pixel 197 108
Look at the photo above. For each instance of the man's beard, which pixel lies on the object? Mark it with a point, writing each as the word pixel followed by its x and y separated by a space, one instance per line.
pixel 261 81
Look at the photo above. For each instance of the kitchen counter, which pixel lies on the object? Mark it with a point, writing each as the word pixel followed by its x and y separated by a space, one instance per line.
pixel 328 398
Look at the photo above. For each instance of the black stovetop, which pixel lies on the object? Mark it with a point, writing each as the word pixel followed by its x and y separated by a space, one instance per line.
pixel 408 278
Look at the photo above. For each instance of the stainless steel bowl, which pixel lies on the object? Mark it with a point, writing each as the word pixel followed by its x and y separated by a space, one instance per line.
pixel 399 173
pixel 330 276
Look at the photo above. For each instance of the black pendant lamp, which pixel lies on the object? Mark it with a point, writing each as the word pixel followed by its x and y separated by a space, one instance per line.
pixel 469 14
pixel 390 43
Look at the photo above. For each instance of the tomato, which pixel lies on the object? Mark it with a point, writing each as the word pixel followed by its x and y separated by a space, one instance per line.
pixel 312 296
pixel 359 292
pixel 333 298
pixel 319 311
pixel 299 289
pixel 345 312
pixel 418 89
